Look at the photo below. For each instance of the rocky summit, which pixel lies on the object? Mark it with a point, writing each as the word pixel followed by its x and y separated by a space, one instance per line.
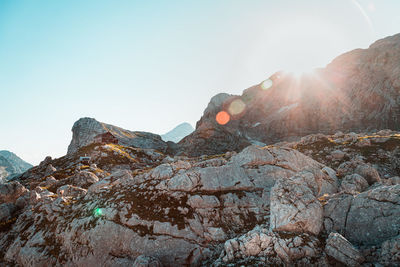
pixel 291 173
pixel 85 130
pixel 357 91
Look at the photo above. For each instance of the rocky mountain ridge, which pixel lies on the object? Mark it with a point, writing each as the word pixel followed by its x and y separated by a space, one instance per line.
pixel 358 91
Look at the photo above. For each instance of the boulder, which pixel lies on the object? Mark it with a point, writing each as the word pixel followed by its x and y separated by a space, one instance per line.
pixel 338 154
pixel 276 249
pixel 370 217
pixel 10 192
pixel 369 173
pixel 6 211
pixel 49 170
pixel 353 184
pixel 394 180
pixel 118 177
pixel 294 207
pixel 335 213
pixel 146 261
pixel 84 179
pixel 342 250
pixel 374 215
pixel 294 202
pixel 48 182
pixel 71 191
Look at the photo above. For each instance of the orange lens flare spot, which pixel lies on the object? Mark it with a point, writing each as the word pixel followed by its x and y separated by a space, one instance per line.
pixel 222 117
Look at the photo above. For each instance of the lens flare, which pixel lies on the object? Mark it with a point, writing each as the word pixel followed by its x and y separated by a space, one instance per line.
pixel 98 212
pixel 222 117
pixel 236 107
pixel 265 85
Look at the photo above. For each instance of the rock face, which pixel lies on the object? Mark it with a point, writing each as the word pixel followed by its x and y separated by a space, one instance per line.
pixel 11 165
pixel 358 91
pixel 85 130
pixel 294 202
pixel 178 133
pixel 170 212
pixel 367 218
pixel 269 205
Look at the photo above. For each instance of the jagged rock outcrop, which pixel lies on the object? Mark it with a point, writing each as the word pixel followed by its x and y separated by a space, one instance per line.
pixel 86 129
pixel 358 91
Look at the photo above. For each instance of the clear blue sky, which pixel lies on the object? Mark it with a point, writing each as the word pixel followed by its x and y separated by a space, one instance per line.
pixel 150 65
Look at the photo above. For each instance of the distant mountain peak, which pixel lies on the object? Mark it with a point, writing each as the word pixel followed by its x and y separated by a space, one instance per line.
pixel 11 164
pixel 178 133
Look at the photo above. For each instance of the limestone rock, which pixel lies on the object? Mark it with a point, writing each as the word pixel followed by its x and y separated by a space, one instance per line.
pixel 342 250
pixel 71 191
pixel 294 202
pixel 369 173
pixel 394 180
pixel 353 183
pixel 295 208
pixel 374 215
pixel 335 213
pixel 49 170
pixel 338 155
pixel 85 129
pixel 9 192
pixel 84 179
pixel 6 211
pixel 367 218
pixel 390 252
pixel 146 261
pixel 275 248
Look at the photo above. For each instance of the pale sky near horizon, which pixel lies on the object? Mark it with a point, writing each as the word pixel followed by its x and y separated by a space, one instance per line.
pixel 151 65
